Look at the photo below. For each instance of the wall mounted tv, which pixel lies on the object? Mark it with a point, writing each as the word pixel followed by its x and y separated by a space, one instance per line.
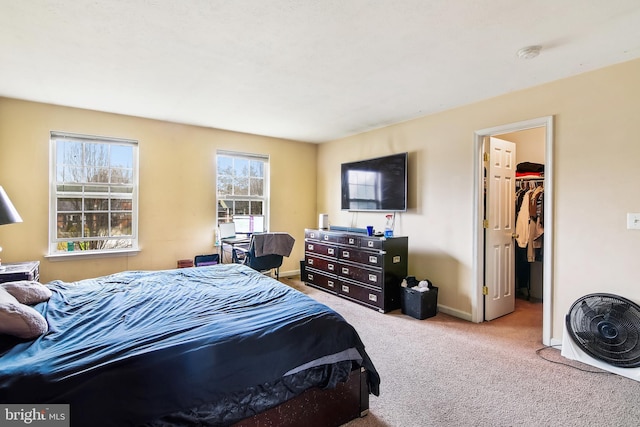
pixel 378 184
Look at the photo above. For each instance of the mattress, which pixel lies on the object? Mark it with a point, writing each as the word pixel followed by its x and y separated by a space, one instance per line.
pixel 136 346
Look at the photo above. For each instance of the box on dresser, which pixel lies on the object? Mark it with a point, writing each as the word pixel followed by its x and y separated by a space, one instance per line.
pixel 365 269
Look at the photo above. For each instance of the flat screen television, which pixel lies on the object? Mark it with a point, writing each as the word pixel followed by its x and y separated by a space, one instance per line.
pixel 378 184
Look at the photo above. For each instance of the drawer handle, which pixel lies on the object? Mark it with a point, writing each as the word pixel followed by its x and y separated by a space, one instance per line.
pixel 345 289
pixel 330 267
pixel 330 283
pixel 331 251
pixel 310 276
pixel 345 270
pixel 310 247
pixel 373 298
pixel 373 259
pixel 370 243
pixel 310 261
pixel 373 278
pixel 345 254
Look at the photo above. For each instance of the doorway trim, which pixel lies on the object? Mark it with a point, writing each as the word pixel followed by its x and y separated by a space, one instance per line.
pixel 477 309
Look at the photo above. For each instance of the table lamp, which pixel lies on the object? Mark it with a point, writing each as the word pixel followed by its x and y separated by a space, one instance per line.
pixel 8 214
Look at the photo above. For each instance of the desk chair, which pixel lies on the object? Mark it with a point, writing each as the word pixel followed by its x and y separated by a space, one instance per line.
pixel 265 252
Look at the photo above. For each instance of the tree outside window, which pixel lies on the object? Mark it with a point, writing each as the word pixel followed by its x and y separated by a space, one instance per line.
pixel 94 203
pixel 241 185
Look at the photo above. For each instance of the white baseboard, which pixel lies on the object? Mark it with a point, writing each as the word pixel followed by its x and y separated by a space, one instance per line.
pixel 289 273
pixel 455 313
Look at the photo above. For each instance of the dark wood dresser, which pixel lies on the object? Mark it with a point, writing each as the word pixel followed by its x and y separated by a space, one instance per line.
pixel 365 269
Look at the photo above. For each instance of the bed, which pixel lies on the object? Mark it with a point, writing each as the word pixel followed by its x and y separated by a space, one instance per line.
pixel 217 345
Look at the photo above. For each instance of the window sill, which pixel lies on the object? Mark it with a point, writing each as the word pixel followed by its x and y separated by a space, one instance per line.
pixel 74 255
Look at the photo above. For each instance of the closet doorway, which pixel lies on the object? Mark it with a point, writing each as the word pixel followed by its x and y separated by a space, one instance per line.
pixel 541 286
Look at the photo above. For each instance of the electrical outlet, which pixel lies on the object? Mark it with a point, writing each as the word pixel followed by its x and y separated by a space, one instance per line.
pixel 633 221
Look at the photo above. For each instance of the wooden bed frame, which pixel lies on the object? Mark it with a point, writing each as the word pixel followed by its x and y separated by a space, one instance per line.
pixel 319 408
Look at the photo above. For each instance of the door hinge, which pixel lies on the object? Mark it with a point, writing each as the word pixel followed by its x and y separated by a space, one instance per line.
pixel 485 157
pixel 485 223
pixel 485 290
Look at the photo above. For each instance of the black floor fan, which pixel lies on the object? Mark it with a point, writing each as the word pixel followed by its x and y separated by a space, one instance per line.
pixel 606 327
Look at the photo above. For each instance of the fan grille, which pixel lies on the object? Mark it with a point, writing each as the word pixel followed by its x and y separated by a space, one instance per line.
pixel 607 327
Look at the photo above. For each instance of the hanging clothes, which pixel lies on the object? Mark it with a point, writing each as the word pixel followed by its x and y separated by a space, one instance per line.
pixel 529 216
pixel 529 221
pixel 522 218
pixel 535 227
pixel 539 234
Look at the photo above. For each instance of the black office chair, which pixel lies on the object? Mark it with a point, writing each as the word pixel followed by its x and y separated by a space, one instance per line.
pixel 265 252
pixel 203 260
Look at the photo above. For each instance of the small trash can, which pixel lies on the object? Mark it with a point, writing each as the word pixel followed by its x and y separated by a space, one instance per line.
pixel 302 276
pixel 417 304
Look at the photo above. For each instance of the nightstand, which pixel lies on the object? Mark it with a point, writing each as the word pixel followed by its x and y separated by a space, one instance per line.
pixel 11 272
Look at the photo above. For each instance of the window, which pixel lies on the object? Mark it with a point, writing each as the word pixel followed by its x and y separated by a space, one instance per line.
pixel 94 187
pixel 242 190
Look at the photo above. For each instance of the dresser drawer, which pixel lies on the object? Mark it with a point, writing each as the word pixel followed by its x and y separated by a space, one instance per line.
pixel 314 247
pixel 329 237
pixel 328 265
pixel 367 275
pixel 371 242
pixel 312 234
pixel 361 293
pixel 361 257
pixel 320 279
pixel 349 240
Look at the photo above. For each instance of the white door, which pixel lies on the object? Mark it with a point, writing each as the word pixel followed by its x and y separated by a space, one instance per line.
pixel 500 229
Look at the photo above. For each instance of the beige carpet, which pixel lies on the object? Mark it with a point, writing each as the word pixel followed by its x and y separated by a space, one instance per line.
pixel 444 371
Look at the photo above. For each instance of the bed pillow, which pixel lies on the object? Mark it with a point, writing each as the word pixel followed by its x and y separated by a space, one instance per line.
pixel 18 319
pixel 27 291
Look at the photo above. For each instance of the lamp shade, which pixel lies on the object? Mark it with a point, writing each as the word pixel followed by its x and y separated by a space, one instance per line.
pixel 8 213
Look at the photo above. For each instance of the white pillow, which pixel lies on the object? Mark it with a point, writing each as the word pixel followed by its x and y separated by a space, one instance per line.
pixel 27 291
pixel 18 319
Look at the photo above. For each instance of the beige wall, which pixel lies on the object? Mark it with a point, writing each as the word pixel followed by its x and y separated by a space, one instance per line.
pixel 177 186
pixel 595 178
pixel 529 144
pixel 596 184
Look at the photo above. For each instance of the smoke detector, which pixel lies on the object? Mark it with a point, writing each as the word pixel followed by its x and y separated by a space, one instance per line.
pixel 529 52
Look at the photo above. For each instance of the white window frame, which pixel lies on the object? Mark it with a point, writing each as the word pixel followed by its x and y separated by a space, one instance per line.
pixel 264 198
pixel 79 246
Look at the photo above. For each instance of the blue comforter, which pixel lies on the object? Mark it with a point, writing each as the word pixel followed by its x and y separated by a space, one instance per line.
pixel 133 346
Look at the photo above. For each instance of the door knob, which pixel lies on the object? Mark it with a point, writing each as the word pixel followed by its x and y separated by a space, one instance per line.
pixel 514 235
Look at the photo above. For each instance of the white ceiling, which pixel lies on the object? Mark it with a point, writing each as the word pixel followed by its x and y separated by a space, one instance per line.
pixel 307 70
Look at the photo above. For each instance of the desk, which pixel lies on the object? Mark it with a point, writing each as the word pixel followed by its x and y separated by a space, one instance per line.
pixel 233 241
